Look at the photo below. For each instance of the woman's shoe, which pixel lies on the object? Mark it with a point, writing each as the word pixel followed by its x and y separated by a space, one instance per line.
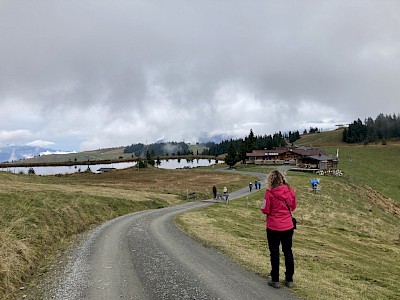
pixel 274 284
pixel 289 284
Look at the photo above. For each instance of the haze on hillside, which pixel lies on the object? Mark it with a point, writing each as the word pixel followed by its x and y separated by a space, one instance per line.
pixel 82 75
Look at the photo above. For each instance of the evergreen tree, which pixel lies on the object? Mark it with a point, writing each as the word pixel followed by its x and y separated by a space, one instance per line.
pixel 242 152
pixel 231 156
pixel 150 158
pixel 251 141
pixel 141 163
pixel 158 161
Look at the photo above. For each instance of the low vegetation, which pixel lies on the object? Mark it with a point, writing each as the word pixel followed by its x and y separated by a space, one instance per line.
pixel 322 139
pixel 345 247
pixel 39 216
pixel 374 165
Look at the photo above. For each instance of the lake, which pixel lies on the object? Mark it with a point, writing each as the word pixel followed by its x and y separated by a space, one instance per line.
pixel 165 164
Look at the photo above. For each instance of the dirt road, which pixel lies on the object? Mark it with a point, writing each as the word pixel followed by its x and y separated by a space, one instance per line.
pixel 145 256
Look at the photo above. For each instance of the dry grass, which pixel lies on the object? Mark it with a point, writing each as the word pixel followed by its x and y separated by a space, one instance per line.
pixel 40 216
pixel 345 246
pixel 179 182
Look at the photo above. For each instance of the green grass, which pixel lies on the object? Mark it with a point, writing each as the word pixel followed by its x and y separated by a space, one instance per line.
pixel 101 154
pixel 347 242
pixel 345 246
pixel 326 138
pixel 374 165
pixel 377 166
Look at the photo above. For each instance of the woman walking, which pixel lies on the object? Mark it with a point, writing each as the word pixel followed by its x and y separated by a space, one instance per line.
pixel 279 202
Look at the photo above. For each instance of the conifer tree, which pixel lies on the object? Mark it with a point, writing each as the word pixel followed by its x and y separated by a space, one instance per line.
pixel 231 156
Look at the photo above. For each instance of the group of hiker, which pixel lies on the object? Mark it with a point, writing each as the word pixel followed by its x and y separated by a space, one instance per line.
pixel 214 190
pixel 257 185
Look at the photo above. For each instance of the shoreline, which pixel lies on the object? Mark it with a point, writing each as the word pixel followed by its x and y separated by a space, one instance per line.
pixel 93 162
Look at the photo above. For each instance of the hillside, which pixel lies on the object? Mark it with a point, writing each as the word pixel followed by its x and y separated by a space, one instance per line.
pixel 40 215
pixel 374 165
pixel 325 138
pixel 353 214
pixel 110 154
pixel 347 242
pixel 100 154
pixel 345 246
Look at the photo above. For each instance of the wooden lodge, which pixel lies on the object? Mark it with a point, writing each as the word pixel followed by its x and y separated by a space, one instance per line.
pixel 301 157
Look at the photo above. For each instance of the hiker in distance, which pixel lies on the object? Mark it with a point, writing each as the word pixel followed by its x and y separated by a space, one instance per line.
pixel 214 190
pixel 279 202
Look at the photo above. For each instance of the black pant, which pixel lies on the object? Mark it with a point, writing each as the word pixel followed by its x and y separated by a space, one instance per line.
pixel 274 239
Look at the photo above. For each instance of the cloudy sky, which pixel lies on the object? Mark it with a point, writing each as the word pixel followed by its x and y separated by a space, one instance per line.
pixel 81 75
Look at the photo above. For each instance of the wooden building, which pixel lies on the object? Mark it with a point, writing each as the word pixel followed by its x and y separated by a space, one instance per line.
pixel 301 157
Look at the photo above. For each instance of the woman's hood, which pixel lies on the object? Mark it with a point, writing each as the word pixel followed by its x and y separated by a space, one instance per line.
pixel 281 192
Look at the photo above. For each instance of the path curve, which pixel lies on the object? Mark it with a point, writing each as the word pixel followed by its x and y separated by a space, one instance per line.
pixel 143 256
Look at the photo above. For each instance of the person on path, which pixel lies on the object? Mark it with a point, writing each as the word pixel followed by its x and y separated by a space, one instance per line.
pixel 214 190
pixel 279 202
pixel 225 190
pixel 250 186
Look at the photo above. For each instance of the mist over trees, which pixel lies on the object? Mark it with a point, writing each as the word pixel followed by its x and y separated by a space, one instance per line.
pixel 382 128
pixel 158 149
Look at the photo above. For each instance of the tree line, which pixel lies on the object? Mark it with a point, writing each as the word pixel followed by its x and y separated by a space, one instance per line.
pixel 235 149
pixel 159 149
pixel 250 143
pixel 382 128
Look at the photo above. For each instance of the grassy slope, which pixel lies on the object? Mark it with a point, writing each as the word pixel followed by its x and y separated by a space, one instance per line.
pixel 346 245
pixel 100 154
pixel 374 165
pixel 41 215
pixel 327 138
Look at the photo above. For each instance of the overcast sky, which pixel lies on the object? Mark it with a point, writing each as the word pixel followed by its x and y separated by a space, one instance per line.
pixel 83 75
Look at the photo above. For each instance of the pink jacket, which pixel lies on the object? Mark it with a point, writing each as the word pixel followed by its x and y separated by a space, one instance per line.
pixel 274 206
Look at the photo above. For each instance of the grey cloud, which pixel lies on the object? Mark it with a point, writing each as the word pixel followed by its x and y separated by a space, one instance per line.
pixel 120 72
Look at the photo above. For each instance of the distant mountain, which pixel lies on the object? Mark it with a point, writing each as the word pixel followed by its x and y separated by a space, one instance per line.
pixel 14 153
pixel 217 138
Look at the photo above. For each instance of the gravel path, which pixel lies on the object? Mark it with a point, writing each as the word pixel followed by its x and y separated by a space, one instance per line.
pixel 144 255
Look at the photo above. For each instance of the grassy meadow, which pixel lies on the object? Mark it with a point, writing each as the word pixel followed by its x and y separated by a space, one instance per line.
pixel 374 165
pixel 100 154
pixel 41 215
pixel 346 245
pixel 322 139
pixel 347 242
